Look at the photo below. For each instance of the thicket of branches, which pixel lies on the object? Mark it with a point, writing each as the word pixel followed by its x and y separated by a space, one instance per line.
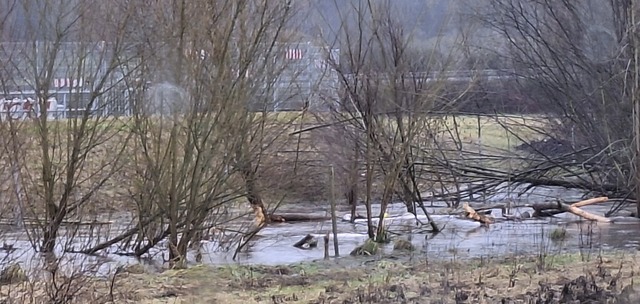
pixel 198 80
pixel 577 62
pixel 386 118
pixel 200 141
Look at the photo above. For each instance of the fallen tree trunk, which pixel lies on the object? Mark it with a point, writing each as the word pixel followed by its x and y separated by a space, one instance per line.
pixel 483 207
pixel 286 217
pixel 297 217
pixel 36 221
pixel 308 242
pixel 591 201
pixel 546 208
pixel 551 208
pixel 472 214
pixel 545 205
pixel 581 213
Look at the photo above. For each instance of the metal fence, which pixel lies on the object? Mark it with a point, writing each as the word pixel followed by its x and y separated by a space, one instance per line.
pixel 73 70
pixel 305 81
pixel 308 79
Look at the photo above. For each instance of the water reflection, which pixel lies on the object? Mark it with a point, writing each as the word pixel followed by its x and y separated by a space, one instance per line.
pixel 460 237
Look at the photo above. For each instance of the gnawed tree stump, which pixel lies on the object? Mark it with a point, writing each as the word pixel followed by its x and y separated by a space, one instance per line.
pixel 472 214
pixel 308 242
pixel 258 212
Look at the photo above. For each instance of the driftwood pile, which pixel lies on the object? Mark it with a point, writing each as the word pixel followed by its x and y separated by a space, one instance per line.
pixel 542 209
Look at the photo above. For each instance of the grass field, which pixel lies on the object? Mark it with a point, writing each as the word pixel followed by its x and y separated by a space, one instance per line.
pixel 112 196
pixel 382 281
pixel 488 130
pixel 500 133
pixel 398 279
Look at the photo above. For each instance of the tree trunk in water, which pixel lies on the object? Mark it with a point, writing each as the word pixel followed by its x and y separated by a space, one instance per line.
pixel 370 231
pixel 181 249
pixel 138 252
pixel 381 235
pixel 50 233
pixel 174 255
pixel 352 199
pixel 49 239
pixel 416 196
pixel 251 188
pixel 408 198
pixel 255 200
pixel 352 194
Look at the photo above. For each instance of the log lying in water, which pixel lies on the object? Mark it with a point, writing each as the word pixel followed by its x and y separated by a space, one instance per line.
pixel 472 214
pixel 542 209
pixel 297 217
pixel 35 222
pixel 307 242
pixel 552 208
pixel 516 217
pixel 591 201
pixel 581 213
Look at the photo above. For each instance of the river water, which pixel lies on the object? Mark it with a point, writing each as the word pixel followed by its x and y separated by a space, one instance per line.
pixel 459 238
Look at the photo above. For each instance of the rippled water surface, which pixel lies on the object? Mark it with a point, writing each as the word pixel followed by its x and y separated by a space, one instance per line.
pixel 460 237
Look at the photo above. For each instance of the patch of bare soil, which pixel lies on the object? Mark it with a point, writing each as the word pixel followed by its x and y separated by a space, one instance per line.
pixel 570 278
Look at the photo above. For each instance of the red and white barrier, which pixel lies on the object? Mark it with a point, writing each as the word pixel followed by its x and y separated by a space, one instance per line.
pixel 22 109
pixel 59 83
pixel 293 54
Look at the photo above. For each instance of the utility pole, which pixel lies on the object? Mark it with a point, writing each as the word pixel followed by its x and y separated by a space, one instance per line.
pixel 334 223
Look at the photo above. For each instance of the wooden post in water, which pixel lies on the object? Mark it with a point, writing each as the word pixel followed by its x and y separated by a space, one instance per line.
pixel 326 246
pixel 334 222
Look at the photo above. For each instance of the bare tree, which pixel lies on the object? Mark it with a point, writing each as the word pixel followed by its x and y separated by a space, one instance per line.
pixel 201 127
pixel 576 60
pixel 73 67
pixel 63 66
pixel 390 91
